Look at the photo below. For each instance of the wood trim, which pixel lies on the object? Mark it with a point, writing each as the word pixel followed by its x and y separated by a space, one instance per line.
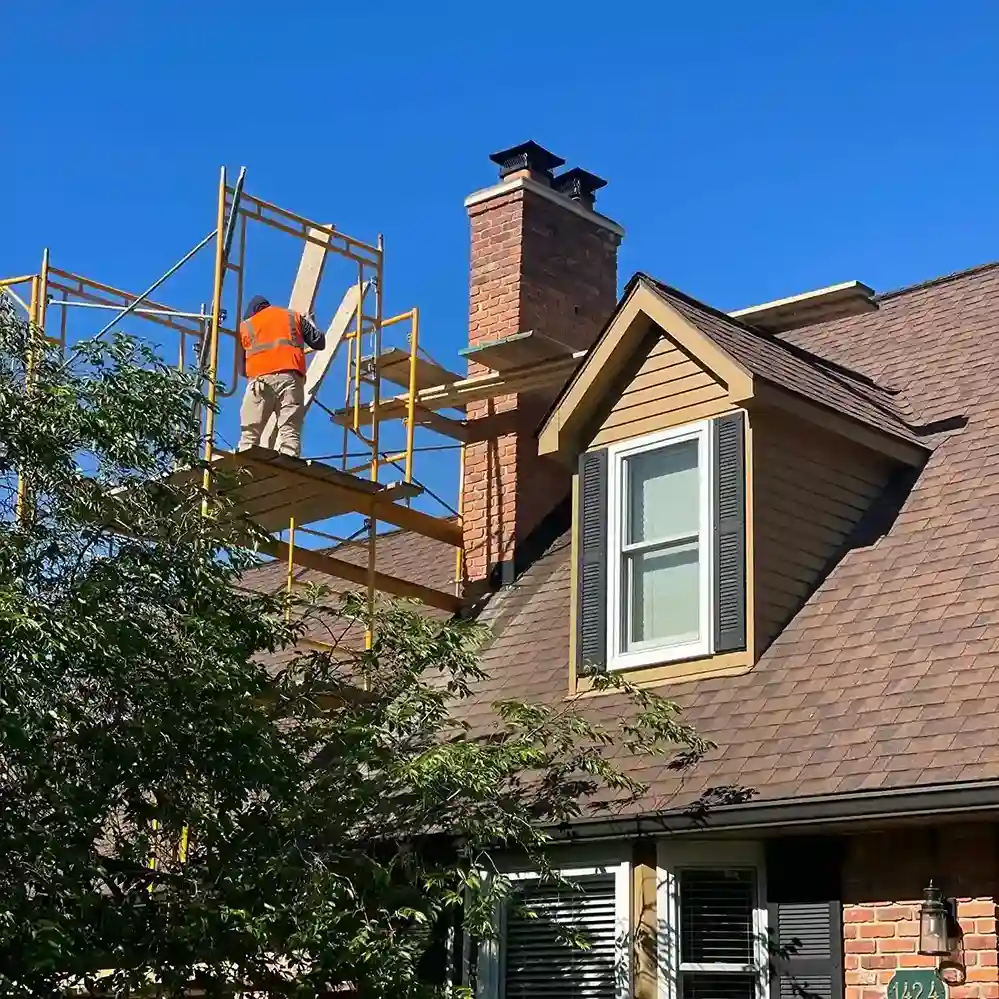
pixel 728 664
pixel 644 881
pixel 906 452
pixel 320 562
pixel 642 308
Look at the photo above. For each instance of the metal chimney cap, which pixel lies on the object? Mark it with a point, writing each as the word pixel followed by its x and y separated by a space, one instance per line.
pixel 527 156
pixel 579 185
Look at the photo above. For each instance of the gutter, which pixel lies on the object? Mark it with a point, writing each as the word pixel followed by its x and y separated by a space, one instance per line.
pixel 887 806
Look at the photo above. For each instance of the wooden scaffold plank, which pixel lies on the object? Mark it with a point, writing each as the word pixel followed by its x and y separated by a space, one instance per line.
pixel 321 562
pixel 393 366
pixel 455 395
pixel 283 487
pixel 517 351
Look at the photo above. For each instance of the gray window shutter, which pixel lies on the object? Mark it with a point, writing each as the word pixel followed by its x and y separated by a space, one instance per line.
pixel 730 533
pixel 805 917
pixel 591 606
pixel 538 960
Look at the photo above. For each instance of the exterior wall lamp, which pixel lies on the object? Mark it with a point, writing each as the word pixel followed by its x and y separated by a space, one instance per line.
pixel 940 935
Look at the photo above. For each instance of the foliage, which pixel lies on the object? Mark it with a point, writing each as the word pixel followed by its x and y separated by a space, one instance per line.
pixel 311 821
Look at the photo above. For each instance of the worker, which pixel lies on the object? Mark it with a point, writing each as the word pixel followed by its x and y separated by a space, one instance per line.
pixel 274 341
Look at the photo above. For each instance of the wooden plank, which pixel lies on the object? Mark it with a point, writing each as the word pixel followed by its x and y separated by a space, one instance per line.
pixel 455 395
pixel 310 272
pixel 352 493
pixel 517 351
pixel 320 562
pixel 320 360
pixel 393 366
pixel 455 429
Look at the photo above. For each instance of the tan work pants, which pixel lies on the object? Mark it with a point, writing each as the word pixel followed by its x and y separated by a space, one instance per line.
pixel 281 394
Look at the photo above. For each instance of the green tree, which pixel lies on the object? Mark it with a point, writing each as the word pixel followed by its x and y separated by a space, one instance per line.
pixel 303 836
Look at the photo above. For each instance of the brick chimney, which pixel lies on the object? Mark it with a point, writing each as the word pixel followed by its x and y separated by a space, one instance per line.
pixel 542 259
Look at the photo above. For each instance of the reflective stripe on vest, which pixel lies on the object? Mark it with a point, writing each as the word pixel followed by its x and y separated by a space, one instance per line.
pixel 272 341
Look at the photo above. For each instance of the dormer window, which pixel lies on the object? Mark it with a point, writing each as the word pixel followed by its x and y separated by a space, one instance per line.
pixel 662 547
pixel 659 547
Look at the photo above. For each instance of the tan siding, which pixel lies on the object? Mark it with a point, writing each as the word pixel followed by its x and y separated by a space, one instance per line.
pixel 669 389
pixel 810 491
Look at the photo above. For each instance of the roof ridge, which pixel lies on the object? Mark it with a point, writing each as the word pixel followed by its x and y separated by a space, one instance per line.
pixel 943 279
pixel 828 366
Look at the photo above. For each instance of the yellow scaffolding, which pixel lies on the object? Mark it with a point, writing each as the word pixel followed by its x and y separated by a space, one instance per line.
pixel 285 493
pixel 290 494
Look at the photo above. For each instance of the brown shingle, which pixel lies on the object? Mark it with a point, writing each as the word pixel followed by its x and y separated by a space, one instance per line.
pixel 873 683
pixel 885 679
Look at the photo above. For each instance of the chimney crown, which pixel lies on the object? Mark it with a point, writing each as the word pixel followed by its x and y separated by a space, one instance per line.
pixel 527 156
pixel 579 185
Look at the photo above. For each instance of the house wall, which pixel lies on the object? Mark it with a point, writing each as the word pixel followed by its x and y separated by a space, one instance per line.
pixel 670 389
pixel 883 879
pixel 811 489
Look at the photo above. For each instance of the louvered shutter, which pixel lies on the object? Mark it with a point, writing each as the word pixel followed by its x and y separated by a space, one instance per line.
pixel 730 533
pixel 591 607
pixel 805 917
pixel 718 934
pixel 536 962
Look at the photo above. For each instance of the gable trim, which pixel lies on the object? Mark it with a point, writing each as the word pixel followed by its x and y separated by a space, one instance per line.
pixel 905 452
pixel 641 309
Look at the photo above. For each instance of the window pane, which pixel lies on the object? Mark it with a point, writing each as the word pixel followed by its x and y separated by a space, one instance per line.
pixel 664 493
pixel 704 985
pixel 666 594
pixel 716 917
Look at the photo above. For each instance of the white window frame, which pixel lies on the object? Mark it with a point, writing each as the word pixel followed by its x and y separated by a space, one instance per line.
pixel 672 858
pixel 491 963
pixel 652 652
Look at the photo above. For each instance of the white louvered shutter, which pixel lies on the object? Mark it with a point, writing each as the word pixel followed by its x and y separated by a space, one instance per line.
pixel 717 934
pixel 539 965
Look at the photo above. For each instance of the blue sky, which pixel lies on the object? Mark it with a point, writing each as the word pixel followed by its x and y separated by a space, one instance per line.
pixel 752 150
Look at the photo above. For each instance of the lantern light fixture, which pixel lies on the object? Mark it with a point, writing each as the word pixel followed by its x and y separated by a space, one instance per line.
pixel 935 923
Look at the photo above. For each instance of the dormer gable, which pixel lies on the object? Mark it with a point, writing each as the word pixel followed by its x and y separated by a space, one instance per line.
pixel 720 476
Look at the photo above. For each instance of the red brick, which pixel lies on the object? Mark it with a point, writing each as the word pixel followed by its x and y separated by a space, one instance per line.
pixel 860 946
pixel 878 961
pixel 978 907
pixel 896 946
pixel 854 915
pixel 535 265
pixel 877 930
pixel 915 961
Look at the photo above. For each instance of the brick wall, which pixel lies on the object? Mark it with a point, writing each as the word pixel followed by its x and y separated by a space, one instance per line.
pixel 883 880
pixel 535 265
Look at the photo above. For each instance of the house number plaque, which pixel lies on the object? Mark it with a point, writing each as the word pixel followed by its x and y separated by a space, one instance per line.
pixel 916 984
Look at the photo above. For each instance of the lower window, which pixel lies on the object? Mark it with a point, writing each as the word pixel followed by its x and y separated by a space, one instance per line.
pixel 712 925
pixel 536 956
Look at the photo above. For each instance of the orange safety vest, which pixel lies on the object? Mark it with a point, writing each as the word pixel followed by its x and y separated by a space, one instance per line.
pixel 272 341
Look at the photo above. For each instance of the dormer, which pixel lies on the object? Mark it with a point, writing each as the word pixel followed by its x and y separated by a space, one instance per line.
pixel 720 474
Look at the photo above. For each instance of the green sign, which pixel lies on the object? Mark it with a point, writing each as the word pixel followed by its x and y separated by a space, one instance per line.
pixel 916 984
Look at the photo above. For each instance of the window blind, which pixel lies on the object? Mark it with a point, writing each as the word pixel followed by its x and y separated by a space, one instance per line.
pixel 540 964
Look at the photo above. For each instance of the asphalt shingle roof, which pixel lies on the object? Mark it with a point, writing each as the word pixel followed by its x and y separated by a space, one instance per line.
pixel 886 678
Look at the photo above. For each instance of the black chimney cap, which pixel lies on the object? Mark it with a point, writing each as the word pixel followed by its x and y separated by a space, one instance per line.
pixel 526 156
pixel 579 185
